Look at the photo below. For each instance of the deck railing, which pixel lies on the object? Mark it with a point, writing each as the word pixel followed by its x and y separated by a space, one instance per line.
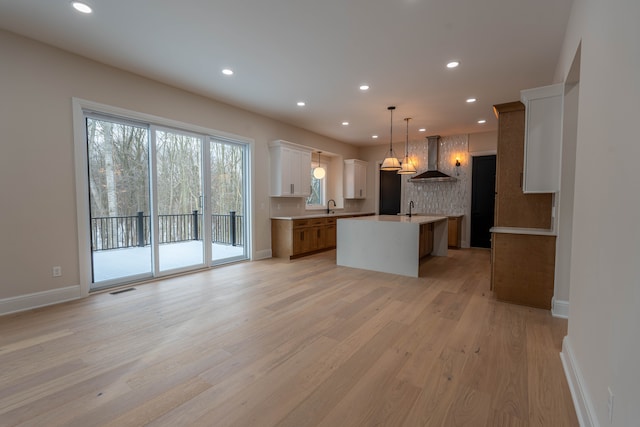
pixel 118 232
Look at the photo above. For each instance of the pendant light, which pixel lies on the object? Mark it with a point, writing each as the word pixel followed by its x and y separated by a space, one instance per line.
pixel 390 162
pixel 318 171
pixel 407 167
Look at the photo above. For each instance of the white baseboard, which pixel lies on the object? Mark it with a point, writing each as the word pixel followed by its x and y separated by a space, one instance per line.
pixel 39 299
pixel 559 308
pixel 263 254
pixel 581 400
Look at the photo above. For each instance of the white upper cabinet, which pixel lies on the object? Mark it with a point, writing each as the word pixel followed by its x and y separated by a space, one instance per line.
pixel 355 179
pixel 290 169
pixel 543 138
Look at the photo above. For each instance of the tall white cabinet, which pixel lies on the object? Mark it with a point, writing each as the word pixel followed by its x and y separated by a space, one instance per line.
pixel 290 169
pixel 543 138
pixel 355 179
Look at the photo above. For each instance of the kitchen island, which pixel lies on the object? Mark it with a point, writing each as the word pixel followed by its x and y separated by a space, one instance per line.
pixel 390 243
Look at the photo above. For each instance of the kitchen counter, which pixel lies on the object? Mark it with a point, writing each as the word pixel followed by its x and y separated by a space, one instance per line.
pixel 388 243
pixel 323 215
pixel 519 230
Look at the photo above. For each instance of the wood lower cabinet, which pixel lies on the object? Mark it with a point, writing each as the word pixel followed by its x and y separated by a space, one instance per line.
pixel 426 240
pixel 522 268
pixel 299 237
pixel 455 231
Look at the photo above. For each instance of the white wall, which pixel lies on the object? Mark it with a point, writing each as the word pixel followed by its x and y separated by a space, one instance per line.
pixel 37 184
pixel 602 348
pixel 483 142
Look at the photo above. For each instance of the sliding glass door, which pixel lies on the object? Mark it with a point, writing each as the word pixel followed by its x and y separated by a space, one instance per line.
pixel 227 201
pixel 178 200
pixel 158 204
pixel 118 166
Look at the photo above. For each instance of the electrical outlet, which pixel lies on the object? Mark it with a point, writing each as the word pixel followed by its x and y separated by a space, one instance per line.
pixel 56 271
pixel 610 404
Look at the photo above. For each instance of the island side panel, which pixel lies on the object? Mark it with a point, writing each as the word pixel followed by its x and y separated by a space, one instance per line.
pixel 388 247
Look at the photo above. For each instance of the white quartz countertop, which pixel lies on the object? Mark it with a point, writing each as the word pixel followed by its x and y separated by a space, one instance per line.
pixel 517 230
pixel 415 219
pixel 322 215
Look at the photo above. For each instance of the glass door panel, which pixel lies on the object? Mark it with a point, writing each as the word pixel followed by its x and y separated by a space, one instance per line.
pixel 179 225
pixel 228 201
pixel 119 204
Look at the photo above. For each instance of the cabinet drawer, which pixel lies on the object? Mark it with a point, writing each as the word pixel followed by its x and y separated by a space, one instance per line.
pixel 318 221
pixel 297 223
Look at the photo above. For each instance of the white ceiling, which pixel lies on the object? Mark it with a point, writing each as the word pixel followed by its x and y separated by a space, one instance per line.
pixel 320 51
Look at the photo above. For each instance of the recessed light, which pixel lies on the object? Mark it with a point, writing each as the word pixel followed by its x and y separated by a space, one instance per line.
pixel 364 87
pixel 422 130
pixel 453 64
pixel 482 121
pixel 227 71
pixel 345 123
pixel 81 7
pixel 301 104
pixel 470 100
pixel 374 136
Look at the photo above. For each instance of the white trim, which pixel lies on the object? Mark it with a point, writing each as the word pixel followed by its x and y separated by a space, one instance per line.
pixel 559 308
pixel 82 195
pixel 262 254
pixel 581 401
pixel 483 153
pixel 526 231
pixel 39 299
pixel 157 120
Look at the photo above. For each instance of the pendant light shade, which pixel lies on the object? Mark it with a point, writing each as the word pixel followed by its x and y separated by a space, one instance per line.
pixel 318 171
pixel 391 162
pixel 407 167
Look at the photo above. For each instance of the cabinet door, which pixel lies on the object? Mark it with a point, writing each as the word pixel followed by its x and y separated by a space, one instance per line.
pixel 320 236
pixel 543 139
pixel 290 170
pixel 425 246
pixel 288 173
pixel 302 171
pixel 361 180
pixel 304 240
pixel 330 236
pixel 523 269
pixel 355 179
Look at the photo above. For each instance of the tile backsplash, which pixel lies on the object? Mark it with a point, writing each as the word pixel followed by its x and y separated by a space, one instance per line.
pixel 447 198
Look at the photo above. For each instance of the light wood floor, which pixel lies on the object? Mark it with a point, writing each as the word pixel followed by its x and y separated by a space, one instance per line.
pixel 289 343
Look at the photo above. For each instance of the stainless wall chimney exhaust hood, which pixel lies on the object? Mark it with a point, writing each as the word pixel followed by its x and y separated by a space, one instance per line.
pixel 432 174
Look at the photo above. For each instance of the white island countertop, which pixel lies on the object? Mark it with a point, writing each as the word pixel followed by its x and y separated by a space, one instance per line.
pixel 322 215
pixel 414 219
pixel 388 243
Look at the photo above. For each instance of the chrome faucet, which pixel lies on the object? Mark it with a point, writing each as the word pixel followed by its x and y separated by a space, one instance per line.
pixel 329 204
pixel 411 205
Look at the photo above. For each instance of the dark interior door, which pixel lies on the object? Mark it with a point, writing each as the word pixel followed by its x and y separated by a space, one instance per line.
pixel 390 189
pixel 483 195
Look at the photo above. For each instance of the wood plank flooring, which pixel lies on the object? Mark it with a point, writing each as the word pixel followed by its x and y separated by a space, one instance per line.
pixel 289 343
